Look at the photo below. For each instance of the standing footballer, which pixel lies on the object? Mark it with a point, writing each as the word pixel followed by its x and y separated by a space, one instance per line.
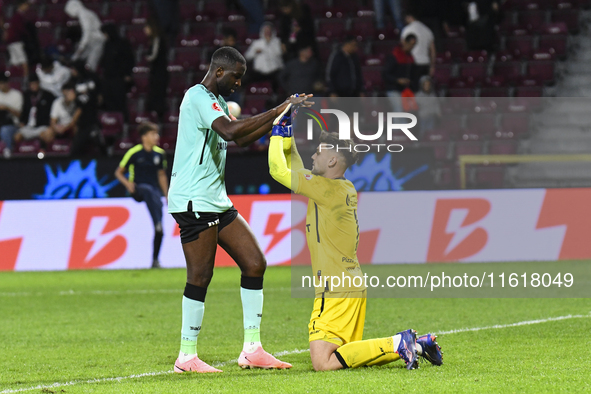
pixel 146 164
pixel 336 324
pixel 198 201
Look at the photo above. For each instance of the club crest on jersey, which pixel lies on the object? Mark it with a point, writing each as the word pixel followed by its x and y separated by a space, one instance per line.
pixel 156 160
pixel 308 176
pixel 216 107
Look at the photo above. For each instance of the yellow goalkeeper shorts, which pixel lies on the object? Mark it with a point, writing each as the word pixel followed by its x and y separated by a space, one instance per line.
pixel 338 320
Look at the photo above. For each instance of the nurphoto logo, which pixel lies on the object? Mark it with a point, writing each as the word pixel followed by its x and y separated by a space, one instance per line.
pixel 391 120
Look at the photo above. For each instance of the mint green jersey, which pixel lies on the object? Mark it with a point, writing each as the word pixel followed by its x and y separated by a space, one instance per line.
pixel 198 171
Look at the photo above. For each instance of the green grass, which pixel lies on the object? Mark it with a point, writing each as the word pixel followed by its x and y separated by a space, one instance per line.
pixel 59 327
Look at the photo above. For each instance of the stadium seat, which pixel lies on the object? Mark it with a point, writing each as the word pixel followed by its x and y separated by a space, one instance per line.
pixel 136 36
pixel 169 130
pixel 554 44
pixel 529 91
pixel 511 71
pixel 438 140
pixel 442 75
pixel 26 148
pixel 364 28
pixel 120 12
pixel 470 144
pixel 520 46
pixel 55 14
pixel 503 143
pixel 333 29
pixel 241 28
pixel 324 51
pixel 533 19
pixel 213 10
pixel 372 78
pixel 494 92
pixel 477 71
pixel 518 123
pixel 178 83
pixel 569 17
pixel 475 57
pixel 121 146
pixel 204 31
pixel 455 46
pixel 254 105
pixel 59 148
pixel 189 58
pixel 168 143
pixel 111 124
pixel 383 48
pixel 541 66
pixel 489 177
pixel 188 10
pixel 260 88
pixel 483 125
pixel 141 83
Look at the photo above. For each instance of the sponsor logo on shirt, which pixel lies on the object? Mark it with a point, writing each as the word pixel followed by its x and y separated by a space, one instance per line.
pixel 308 176
pixel 216 107
pixel 223 145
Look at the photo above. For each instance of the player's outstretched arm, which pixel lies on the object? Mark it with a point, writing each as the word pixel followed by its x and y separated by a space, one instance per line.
pixel 255 126
pixel 277 163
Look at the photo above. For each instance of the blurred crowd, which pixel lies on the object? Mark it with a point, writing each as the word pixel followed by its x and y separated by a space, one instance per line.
pixel 56 92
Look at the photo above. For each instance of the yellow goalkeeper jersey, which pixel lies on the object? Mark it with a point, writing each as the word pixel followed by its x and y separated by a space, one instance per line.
pixel 332 228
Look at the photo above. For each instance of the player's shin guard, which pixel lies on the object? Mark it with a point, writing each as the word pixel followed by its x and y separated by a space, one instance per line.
pixel 251 293
pixel 158 234
pixel 193 309
pixel 368 352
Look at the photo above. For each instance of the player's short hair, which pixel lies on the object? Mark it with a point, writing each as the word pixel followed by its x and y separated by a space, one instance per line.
pixel 226 58
pixel 345 147
pixel 145 127
pixel 409 38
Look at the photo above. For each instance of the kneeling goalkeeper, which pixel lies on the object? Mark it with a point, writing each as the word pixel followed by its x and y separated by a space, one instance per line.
pixel 336 324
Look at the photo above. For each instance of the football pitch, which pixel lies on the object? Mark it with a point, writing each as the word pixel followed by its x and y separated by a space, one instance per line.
pixel 119 332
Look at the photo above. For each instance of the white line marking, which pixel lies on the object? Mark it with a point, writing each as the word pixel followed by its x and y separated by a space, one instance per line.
pixel 284 353
pixel 521 323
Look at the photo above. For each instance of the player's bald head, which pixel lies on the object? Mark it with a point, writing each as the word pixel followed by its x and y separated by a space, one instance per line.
pixel 226 58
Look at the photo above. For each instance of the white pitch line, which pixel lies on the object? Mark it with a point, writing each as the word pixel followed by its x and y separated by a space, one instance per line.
pixel 284 353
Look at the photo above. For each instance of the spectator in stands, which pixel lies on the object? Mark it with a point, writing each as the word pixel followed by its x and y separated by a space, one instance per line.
pixel 428 103
pixel 395 9
pixel 483 15
pixel 52 76
pixel 167 13
pixel 88 99
pixel 35 116
pixel 423 52
pixel 117 68
pixel 229 39
pixel 343 72
pixel 399 71
pixel 265 54
pixel 90 46
pixel 159 77
pixel 303 74
pixel 254 12
pixel 17 35
pixel 11 104
pixel 64 114
pixel 296 27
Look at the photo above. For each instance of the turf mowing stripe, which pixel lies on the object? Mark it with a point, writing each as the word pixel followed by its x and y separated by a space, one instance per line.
pixel 285 353
pixel 122 292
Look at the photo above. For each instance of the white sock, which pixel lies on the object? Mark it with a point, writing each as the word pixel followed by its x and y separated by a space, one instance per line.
pixel 184 357
pixel 396 342
pixel 251 347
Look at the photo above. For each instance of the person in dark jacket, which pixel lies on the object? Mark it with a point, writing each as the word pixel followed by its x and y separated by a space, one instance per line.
pixel 303 74
pixel 399 72
pixel 117 67
pixel 35 115
pixel 343 72
pixel 159 77
pixel 296 28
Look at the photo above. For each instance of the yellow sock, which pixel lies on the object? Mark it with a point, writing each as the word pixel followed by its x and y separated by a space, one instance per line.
pixel 368 352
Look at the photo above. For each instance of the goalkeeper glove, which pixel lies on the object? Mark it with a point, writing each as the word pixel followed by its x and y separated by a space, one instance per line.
pixel 282 131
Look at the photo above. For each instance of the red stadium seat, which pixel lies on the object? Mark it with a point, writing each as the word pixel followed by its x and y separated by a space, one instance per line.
pixel 383 48
pixel 136 36
pixel 26 149
pixel 443 73
pixel 511 71
pixel 111 123
pixel 120 12
pixel 203 31
pixel 364 28
pixel 260 88
pixel 241 29
pixel 55 14
pixel 475 57
pixel 178 83
pixel 489 177
pixel 59 148
pixel 518 123
pixel 438 140
pixel 529 91
pixel 189 58
pixel 214 10
pixel 481 124
pixel 141 82
pixel 333 29
pixel 520 46
pixel 503 143
pixel 254 105
pixel 473 70
pixel 168 143
pixel 471 145
pixel 568 17
pixel 120 147
pixel 372 78
pixel 541 66
pixel 494 92
pixel 324 50
pixel 533 20
pixel 455 46
pixel 554 44
pixel 188 10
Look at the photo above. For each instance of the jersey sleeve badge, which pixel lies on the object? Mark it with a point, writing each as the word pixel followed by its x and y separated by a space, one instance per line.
pixel 216 107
